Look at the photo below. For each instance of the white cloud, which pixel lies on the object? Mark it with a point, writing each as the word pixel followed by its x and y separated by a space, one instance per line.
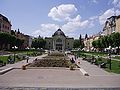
pixel 116 3
pixel 62 11
pixel 95 1
pixel 93 18
pixel 46 30
pixel 106 14
pixel 76 24
pixel 76 19
pixel 110 12
pixel 117 12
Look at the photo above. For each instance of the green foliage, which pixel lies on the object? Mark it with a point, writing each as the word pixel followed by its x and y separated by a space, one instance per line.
pixel 6 39
pixel 76 43
pixel 115 67
pixel 4 58
pixel 116 57
pixel 106 41
pixel 38 43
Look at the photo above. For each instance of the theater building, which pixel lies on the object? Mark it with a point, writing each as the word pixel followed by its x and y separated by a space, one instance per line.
pixel 59 41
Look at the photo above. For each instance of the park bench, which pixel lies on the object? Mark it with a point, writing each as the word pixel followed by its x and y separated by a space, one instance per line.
pixel 2 63
pixel 94 61
pixel 84 58
pixel 10 61
pixel 103 65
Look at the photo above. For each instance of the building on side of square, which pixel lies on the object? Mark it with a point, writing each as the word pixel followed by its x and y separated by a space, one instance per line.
pixel 112 25
pixel 59 41
pixel 5 24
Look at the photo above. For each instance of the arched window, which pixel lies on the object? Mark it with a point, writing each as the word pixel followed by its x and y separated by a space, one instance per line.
pixel 58 40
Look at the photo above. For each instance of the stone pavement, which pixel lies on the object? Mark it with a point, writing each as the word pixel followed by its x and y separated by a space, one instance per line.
pixel 61 78
pixel 92 69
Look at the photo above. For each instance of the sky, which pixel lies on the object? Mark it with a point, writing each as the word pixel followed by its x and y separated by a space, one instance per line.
pixel 73 17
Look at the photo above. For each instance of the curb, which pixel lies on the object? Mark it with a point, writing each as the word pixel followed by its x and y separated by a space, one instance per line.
pixel 84 72
pixel 5 70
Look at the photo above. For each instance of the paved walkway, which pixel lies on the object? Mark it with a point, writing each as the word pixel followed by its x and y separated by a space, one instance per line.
pixel 63 78
pixel 92 69
pixel 20 63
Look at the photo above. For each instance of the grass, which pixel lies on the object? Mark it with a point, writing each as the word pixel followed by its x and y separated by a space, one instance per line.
pixel 92 53
pixel 115 67
pixel 4 58
pixel 116 57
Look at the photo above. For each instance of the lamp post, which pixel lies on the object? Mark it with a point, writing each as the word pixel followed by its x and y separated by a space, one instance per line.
pixel 27 53
pixel 14 47
pixel 110 57
pixel 27 50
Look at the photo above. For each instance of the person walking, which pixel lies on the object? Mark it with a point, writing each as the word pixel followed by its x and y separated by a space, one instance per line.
pixel 27 59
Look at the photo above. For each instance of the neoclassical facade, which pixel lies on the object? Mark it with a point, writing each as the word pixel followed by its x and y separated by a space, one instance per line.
pixel 59 41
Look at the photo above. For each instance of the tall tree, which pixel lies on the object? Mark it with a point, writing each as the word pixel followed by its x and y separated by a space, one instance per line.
pixel 76 43
pixel 81 42
pixel 86 36
pixel 38 43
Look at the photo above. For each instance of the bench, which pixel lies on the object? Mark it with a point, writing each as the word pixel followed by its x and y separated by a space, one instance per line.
pixel 2 63
pixel 103 65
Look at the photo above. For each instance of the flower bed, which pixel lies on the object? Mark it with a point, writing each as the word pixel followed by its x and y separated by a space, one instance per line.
pixel 52 60
pixel 46 62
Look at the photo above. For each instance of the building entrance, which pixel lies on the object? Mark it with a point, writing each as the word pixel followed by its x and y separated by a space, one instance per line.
pixel 59 44
pixel 58 47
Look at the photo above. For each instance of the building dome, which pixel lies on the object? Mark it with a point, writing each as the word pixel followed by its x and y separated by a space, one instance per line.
pixel 59 32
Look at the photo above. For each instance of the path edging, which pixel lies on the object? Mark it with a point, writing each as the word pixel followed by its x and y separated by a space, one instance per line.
pixel 84 72
pixel 6 70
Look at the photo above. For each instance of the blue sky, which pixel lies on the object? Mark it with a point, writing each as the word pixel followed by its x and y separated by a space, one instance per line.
pixel 44 17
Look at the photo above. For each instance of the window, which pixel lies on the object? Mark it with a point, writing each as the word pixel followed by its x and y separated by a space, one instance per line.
pixel 3 25
pixel 0 25
pixel 68 43
pixel 58 40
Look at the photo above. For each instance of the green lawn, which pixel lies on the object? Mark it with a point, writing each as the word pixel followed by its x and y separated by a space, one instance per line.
pixel 97 53
pixel 116 57
pixel 115 67
pixel 4 58
pixel 20 55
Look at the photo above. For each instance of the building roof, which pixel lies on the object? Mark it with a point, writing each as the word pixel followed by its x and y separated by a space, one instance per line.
pixel 59 32
pixel 4 18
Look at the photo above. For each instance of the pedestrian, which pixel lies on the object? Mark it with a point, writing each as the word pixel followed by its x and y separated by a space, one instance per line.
pixel 72 60
pixel 27 59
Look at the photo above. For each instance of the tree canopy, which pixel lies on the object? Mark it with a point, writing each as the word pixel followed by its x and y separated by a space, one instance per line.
pixel 6 39
pixel 112 40
pixel 38 43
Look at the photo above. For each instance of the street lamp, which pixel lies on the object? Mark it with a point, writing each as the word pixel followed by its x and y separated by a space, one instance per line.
pixel 27 50
pixel 110 57
pixel 14 47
